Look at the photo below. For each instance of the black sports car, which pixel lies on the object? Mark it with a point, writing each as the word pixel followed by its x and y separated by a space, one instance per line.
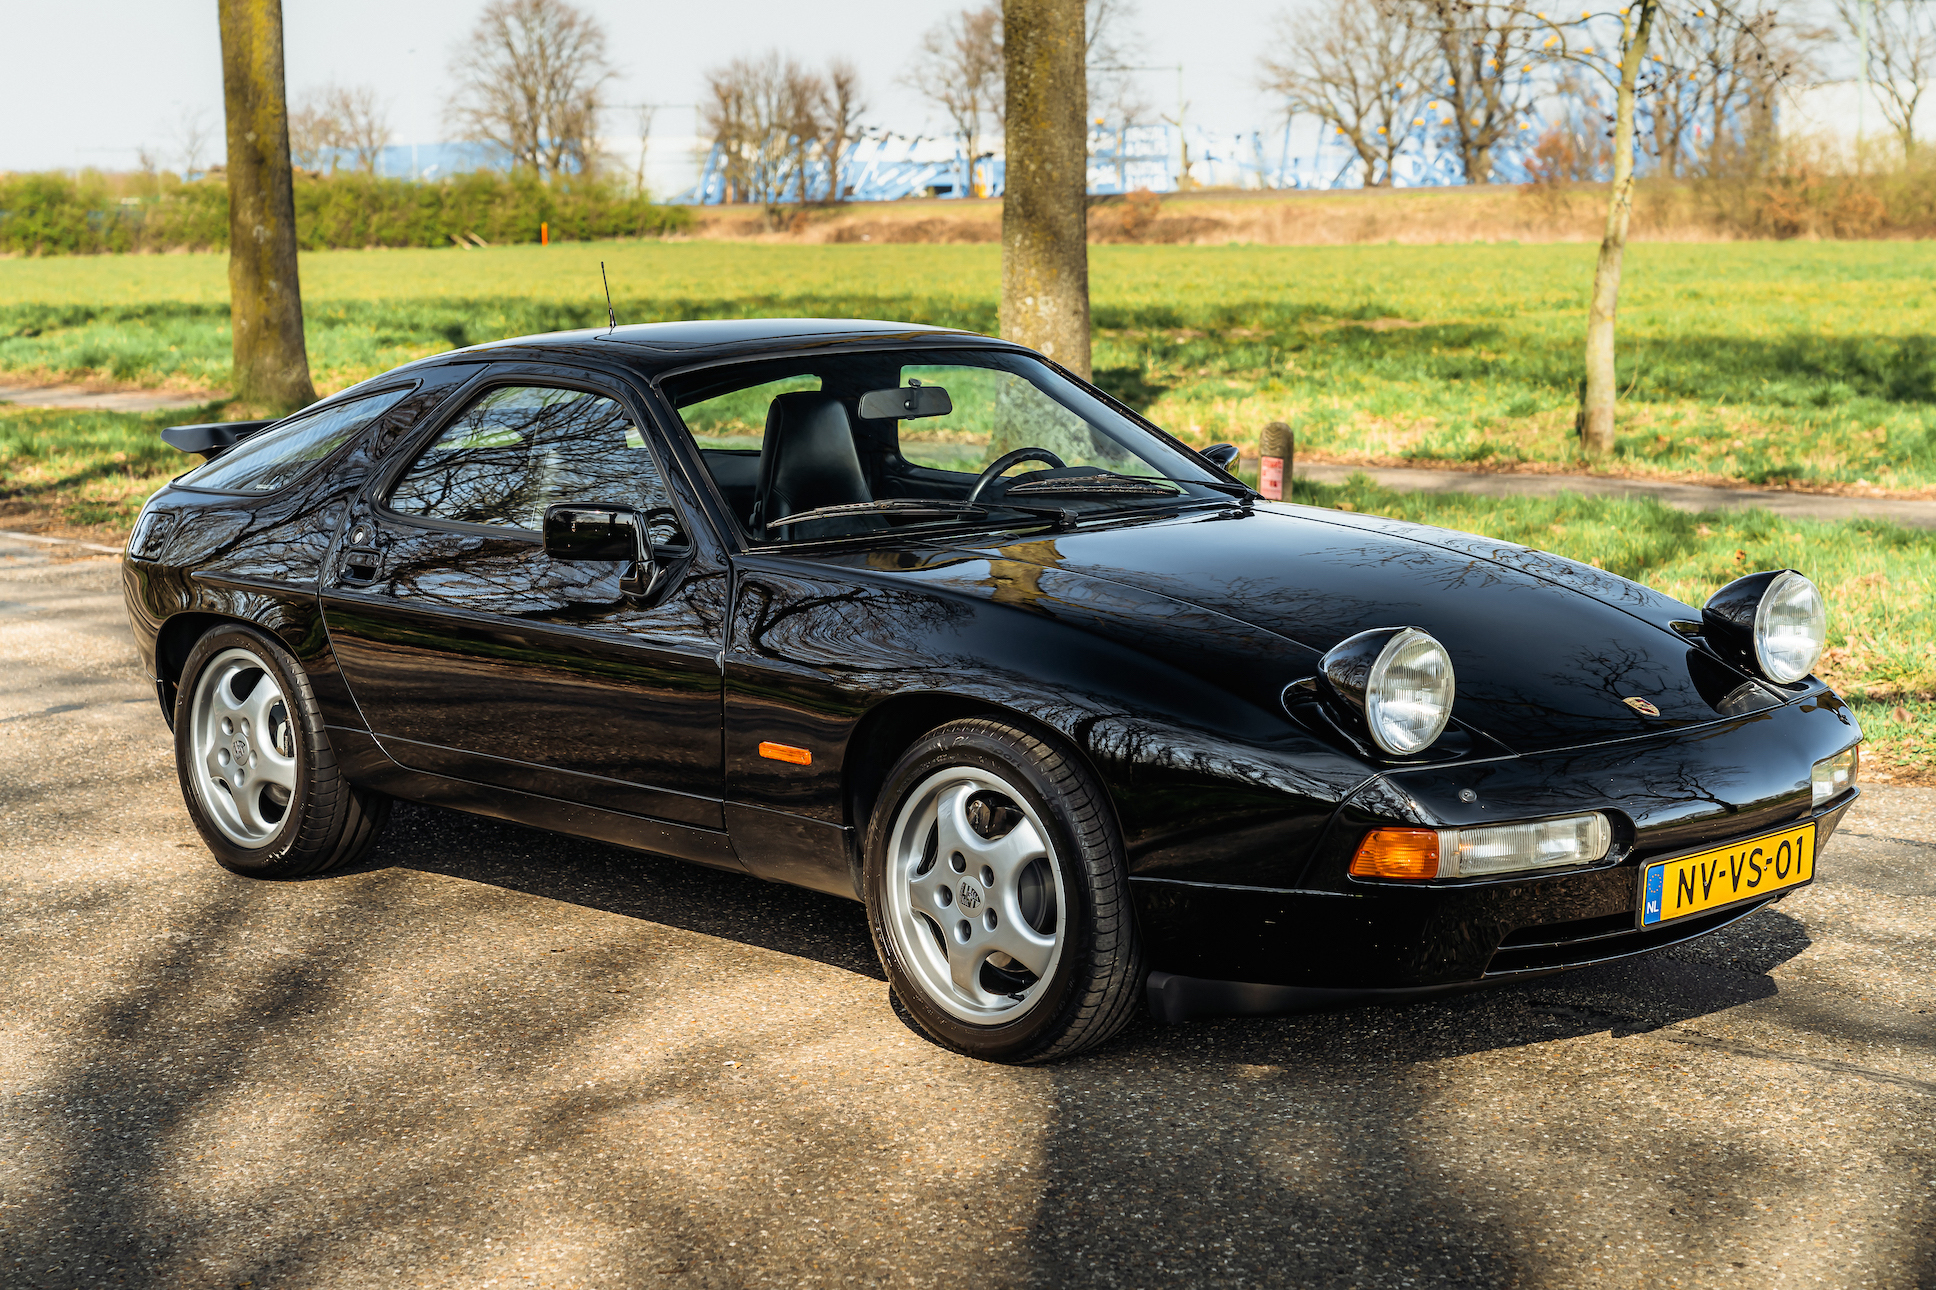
pixel 916 617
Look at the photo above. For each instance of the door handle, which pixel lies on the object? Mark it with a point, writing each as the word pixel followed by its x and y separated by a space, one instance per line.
pixel 361 564
pixel 360 560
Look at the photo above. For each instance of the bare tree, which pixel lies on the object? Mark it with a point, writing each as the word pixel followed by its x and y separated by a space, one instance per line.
pixel 531 79
pixel 312 134
pixel 646 112
pixel 327 124
pixel 1112 49
pixel 191 135
pixel 1901 49
pixel 265 299
pixel 362 124
pixel 1484 78
pixel 762 114
pixel 959 68
pixel 1710 90
pixel 1359 66
pixel 841 108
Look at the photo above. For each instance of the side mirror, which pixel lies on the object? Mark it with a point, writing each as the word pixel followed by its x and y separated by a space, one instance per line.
pixel 588 531
pixel 592 531
pixel 1220 455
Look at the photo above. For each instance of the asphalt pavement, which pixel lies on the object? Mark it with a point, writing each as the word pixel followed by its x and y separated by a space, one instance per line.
pixel 492 1057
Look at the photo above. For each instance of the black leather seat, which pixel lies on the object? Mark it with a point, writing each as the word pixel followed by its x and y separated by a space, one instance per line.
pixel 807 461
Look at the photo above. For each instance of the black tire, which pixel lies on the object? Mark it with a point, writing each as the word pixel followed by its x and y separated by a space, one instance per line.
pixel 326 822
pixel 1092 985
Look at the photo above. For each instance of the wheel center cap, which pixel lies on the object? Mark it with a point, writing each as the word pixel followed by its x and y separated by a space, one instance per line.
pixel 970 897
pixel 241 748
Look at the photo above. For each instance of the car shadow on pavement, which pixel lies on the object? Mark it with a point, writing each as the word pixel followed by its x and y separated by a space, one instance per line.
pixel 234 1074
pixel 1297 1150
pixel 1721 971
pixel 631 884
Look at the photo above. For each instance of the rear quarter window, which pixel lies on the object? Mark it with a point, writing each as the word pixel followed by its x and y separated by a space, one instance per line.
pixel 276 457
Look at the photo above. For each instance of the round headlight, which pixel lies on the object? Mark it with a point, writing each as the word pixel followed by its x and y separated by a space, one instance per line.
pixel 1399 681
pixel 1790 624
pixel 1774 623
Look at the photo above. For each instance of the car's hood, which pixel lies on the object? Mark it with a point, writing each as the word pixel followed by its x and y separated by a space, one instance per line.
pixel 1545 649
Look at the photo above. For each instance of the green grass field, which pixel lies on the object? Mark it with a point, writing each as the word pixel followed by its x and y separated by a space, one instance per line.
pixel 1802 363
pixel 1805 364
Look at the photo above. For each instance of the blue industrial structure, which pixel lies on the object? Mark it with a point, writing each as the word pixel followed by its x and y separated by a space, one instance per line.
pixel 883 166
pixel 1122 159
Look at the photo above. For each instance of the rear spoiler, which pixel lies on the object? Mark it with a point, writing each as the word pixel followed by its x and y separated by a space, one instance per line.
pixel 211 439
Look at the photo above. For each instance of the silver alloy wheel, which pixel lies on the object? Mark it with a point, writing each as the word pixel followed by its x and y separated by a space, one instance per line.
pixel 243 747
pixel 975 901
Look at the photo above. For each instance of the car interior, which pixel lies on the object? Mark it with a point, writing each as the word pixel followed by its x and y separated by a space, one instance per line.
pixel 786 437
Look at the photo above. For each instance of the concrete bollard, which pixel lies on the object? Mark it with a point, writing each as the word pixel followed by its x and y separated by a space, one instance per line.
pixel 1275 448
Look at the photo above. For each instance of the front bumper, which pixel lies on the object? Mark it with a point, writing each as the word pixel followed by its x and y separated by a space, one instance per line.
pixel 1327 939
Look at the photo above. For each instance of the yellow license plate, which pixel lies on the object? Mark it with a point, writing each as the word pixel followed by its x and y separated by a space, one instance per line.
pixel 1694 884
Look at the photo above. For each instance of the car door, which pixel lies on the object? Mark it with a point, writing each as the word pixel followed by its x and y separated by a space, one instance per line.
pixel 472 654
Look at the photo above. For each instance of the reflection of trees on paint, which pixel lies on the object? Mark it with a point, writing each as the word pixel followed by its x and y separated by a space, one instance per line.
pixel 521 448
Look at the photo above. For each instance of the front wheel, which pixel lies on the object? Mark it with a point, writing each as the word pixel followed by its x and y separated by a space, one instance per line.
pixel 997 896
pixel 256 767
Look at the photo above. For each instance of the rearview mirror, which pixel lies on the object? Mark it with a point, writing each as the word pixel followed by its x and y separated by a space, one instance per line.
pixel 1220 455
pixel 590 531
pixel 907 404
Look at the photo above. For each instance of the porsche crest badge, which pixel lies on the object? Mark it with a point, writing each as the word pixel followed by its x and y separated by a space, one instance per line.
pixel 1641 706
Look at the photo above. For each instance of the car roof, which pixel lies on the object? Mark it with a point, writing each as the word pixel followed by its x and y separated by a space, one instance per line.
pixel 679 344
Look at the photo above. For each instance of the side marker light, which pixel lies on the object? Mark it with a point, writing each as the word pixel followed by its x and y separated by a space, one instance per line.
pixel 788 753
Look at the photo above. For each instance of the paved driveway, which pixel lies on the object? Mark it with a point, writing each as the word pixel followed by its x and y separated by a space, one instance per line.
pixel 494 1057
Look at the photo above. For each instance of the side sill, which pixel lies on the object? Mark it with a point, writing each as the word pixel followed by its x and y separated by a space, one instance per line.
pixel 364 762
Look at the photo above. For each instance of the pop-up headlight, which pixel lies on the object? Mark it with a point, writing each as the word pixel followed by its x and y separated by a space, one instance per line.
pixel 1397 681
pixel 1774 622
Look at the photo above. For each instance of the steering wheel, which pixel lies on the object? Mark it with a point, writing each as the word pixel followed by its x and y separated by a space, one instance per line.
pixel 993 469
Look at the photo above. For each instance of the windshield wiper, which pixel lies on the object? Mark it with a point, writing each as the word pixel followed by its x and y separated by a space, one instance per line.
pixel 937 509
pixel 1123 486
pixel 1097 485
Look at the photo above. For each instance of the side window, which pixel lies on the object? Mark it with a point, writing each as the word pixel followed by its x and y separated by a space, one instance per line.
pixel 737 420
pixel 519 448
pixel 271 458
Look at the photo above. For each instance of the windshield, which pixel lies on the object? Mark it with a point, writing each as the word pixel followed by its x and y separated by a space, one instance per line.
pixel 844 445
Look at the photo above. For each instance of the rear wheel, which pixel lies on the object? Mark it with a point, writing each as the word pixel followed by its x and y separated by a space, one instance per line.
pixel 256 768
pixel 997 896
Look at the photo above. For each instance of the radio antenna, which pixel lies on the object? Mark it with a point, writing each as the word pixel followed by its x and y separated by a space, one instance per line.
pixel 610 317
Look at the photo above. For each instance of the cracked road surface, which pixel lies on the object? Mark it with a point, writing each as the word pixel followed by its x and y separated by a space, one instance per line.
pixel 494 1057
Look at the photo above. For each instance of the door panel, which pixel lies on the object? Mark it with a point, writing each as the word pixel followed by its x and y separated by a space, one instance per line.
pixel 473 654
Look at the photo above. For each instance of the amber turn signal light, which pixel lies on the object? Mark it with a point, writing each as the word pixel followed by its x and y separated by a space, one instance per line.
pixel 1397 853
pixel 787 752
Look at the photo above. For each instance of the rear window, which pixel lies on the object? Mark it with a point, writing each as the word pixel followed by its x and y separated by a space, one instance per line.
pixel 737 420
pixel 270 459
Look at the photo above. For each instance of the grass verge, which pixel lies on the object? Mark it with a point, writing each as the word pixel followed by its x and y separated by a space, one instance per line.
pixel 1797 364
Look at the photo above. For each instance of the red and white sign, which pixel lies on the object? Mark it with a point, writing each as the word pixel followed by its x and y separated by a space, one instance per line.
pixel 1270 477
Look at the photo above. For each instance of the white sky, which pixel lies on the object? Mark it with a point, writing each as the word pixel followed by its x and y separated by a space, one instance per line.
pixel 85 84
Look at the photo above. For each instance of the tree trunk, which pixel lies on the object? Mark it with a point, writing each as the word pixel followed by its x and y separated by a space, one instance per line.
pixel 1596 429
pixel 1045 245
pixel 265 301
